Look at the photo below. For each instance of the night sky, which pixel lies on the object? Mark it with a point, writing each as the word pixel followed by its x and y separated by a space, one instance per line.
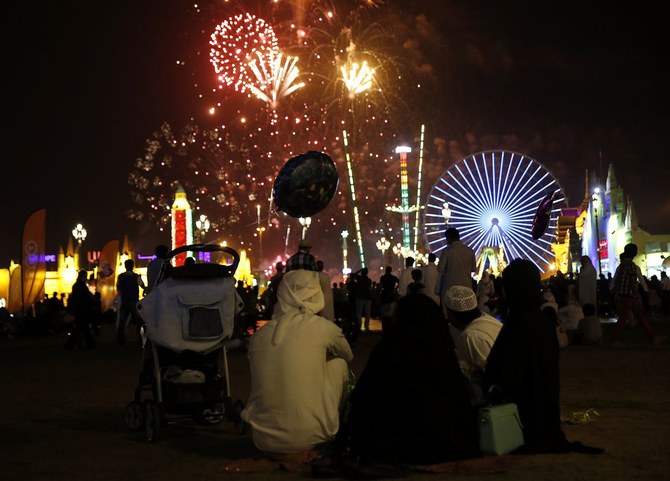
pixel 574 86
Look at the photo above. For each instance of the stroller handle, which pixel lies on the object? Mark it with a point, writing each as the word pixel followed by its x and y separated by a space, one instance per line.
pixel 207 248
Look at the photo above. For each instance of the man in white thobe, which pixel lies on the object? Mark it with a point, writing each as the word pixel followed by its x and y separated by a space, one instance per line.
pixel 299 367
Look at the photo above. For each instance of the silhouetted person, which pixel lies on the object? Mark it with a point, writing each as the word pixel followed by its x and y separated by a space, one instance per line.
pixel 154 266
pixel 80 304
pixel 128 286
pixel 628 282
pixel 388 297
pixel 523 363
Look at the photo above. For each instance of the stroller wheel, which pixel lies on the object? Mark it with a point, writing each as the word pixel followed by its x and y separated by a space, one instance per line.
pixel 133 416
pixel 215 415
pixel 152 421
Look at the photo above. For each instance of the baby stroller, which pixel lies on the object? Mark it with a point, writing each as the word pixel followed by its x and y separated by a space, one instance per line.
pixel 188 317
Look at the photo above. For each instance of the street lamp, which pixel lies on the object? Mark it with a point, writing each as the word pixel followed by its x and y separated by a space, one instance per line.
pixel 260 246
pixel 79 233
pixel 202 225
pixel 383 244
pixel 345 270
pixel 304 222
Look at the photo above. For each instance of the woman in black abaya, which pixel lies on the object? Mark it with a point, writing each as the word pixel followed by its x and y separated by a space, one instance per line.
pixel 523 363
pixel 411 403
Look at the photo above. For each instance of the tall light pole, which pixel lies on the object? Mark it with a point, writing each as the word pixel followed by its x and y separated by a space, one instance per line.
pixel 79 233
pixel 260 229
pixel 595 199
pixel 345 270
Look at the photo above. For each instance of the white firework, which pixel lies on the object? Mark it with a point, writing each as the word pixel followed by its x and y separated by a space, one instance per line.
pixel 275 77
pixel 491 198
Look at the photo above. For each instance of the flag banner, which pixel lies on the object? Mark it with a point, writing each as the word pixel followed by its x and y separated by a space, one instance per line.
pixel 107 265
pixel 33 265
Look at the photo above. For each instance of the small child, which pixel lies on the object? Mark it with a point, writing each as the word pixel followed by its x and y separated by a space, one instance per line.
pixel 416 286
pixel 590 331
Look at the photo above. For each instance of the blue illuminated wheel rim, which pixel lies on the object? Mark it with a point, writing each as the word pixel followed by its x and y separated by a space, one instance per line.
pixel 491 198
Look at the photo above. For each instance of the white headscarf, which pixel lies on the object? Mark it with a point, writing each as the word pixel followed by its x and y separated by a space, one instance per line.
pixel 299 296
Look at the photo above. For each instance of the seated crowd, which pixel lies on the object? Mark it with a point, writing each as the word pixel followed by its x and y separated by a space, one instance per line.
pixel 418 396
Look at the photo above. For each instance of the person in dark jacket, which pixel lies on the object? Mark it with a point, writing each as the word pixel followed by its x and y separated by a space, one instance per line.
pixel 80 304
pixel 411 403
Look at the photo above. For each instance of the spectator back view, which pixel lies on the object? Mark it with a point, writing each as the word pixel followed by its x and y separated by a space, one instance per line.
pixel 128 287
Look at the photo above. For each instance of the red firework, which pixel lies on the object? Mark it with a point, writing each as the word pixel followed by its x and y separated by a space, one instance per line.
pixel 234 43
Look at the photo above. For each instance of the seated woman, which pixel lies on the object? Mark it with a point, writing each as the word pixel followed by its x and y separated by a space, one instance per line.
pixel 299 368
pixel 411 403
pixel 523 363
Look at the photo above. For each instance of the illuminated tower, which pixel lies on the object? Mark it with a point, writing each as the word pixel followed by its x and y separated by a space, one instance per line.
pixel 182 224
pixel 404 208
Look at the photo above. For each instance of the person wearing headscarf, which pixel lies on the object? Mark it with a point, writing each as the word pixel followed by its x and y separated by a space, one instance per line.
pixel 411 404
pixel 299 367
pixel 587 282
pixel 523 363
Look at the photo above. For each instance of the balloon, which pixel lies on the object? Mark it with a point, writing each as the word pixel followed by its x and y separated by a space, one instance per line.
pixel 305 184
pixel 542 216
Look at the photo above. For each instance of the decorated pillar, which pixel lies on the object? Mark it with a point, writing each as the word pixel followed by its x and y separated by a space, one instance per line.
pixel 182 224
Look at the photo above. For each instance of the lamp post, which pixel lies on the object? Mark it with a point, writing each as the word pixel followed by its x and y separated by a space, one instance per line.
pixel 79 233
pixel 383 244
pixel 345 270
pixel 260 229
pixel 595 199
pixel 202 225
pixel 305 223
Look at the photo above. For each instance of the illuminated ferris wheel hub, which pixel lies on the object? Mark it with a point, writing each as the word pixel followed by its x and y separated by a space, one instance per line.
pixel 486 191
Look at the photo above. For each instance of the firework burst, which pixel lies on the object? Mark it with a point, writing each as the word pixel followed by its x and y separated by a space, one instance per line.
pixel 275 79
pixel 301 110
pixel 237 41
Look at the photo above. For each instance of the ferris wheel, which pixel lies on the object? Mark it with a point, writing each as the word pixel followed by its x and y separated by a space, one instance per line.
pixel 491 198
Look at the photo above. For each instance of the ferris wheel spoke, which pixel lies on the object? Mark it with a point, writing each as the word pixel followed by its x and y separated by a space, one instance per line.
pixel 494 178
pixel 453 197
pixel 479 242
pixel 510 182
pixel 467 190
pixel 500 177
pixel 511 247
pixel 459 199
pixel 478 181
pixel 489 190
pixel 518 189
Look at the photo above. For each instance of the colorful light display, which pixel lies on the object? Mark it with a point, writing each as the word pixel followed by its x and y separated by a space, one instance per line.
pixel 418 188
pixel 227 160
pixel 491 198
pixel 182 224
pixel 404 193
pixel 352 189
